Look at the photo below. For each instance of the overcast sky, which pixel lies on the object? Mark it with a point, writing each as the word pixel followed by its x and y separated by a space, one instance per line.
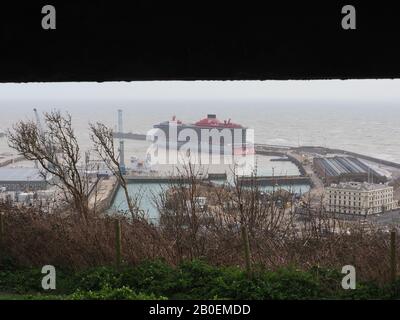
pixel 359 90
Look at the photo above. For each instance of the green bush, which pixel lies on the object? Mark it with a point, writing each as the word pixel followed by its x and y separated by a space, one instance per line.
pixel 193 280
pixel 150 277
pixel 395 289
pixel 196 280
pixel 367 291
pixel 21 281
pixel 95 279
pixel 28 281
pixel 108 293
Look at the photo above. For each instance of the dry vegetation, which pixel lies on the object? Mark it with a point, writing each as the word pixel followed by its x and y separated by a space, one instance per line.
pixel 190 231
pixel 238 226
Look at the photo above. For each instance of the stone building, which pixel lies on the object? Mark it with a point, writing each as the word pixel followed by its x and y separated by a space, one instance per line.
pixel 359 198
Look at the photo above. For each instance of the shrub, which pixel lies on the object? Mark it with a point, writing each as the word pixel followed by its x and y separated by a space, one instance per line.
pixel 192 280
pixel 291 284
pixel 95 279
pixel 108 293
pixel 150 277
pixel 21 281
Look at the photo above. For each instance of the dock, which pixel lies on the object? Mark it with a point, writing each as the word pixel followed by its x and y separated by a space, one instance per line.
pixel 7 160
pixel 103 193
pixel 170 179
pixel 261 180
pixel 130 136
pixel 276 180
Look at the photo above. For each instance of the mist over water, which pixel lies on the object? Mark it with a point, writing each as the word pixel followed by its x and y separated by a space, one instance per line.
pixel 371 128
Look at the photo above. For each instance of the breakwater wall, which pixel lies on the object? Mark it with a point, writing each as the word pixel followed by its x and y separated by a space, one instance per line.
pixel 276 180
pixel 110 199
pixel 12 160
pixel 108 188
pixel 171 179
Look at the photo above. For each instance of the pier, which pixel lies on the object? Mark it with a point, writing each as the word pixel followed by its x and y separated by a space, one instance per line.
pixel 7 160
pixel 276 180
pixel 261 180
pixel 153 179
pixel 130 136
pixel 170 179
pixel 103 193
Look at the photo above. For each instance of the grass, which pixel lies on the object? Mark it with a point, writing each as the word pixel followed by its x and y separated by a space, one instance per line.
pixel 36 296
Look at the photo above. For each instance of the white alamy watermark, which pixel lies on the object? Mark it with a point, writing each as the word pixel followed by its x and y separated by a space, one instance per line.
pixel 349 280
pixel 176 145
pixel 49 20
pixel 49 280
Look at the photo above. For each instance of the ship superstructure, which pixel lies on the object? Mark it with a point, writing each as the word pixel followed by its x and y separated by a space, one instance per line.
pixel 210 134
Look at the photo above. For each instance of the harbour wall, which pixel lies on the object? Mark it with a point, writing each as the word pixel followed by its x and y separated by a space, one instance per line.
pixel 277 180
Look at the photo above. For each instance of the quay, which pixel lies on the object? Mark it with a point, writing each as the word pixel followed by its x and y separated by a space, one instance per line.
pixel 6 160
pixel 276 180
pixel 170 179
pixel 103 193
pixel 153 179
pixel 130 136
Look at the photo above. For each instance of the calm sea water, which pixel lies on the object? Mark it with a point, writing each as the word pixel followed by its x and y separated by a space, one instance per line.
pixel 372 129
pixel 145 193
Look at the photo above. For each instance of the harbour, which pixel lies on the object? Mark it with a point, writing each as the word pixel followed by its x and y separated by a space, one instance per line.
pixel 275 167
pixel 301 183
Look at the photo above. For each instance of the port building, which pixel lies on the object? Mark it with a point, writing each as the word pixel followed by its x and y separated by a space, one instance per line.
pixel 345 169
pixel 360 198
pixel 22 179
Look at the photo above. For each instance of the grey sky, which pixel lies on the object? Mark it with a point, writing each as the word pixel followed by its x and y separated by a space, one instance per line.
pixel 333 90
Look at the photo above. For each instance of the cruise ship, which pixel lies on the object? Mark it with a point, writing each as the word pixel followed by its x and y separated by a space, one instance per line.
pixel 238 137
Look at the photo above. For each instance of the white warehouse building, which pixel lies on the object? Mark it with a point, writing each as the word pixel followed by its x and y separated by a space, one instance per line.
pixel 359 198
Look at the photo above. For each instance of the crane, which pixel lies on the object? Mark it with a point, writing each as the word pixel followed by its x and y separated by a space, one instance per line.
pixel 121 143
pixel 38 123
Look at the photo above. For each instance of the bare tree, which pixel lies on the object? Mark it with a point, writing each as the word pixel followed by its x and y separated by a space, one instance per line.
pixel 56 149
pixel 184 219
pixel 103 140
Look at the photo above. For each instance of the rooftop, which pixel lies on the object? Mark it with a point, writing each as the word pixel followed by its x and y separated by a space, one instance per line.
pixel 360 186
pixel 339 165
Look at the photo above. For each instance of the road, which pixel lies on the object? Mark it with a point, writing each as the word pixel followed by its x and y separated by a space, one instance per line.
pixel 387 218
pixel 103 193
pixel 318 188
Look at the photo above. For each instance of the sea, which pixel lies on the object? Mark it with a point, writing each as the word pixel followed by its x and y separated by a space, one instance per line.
pixel 368 128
